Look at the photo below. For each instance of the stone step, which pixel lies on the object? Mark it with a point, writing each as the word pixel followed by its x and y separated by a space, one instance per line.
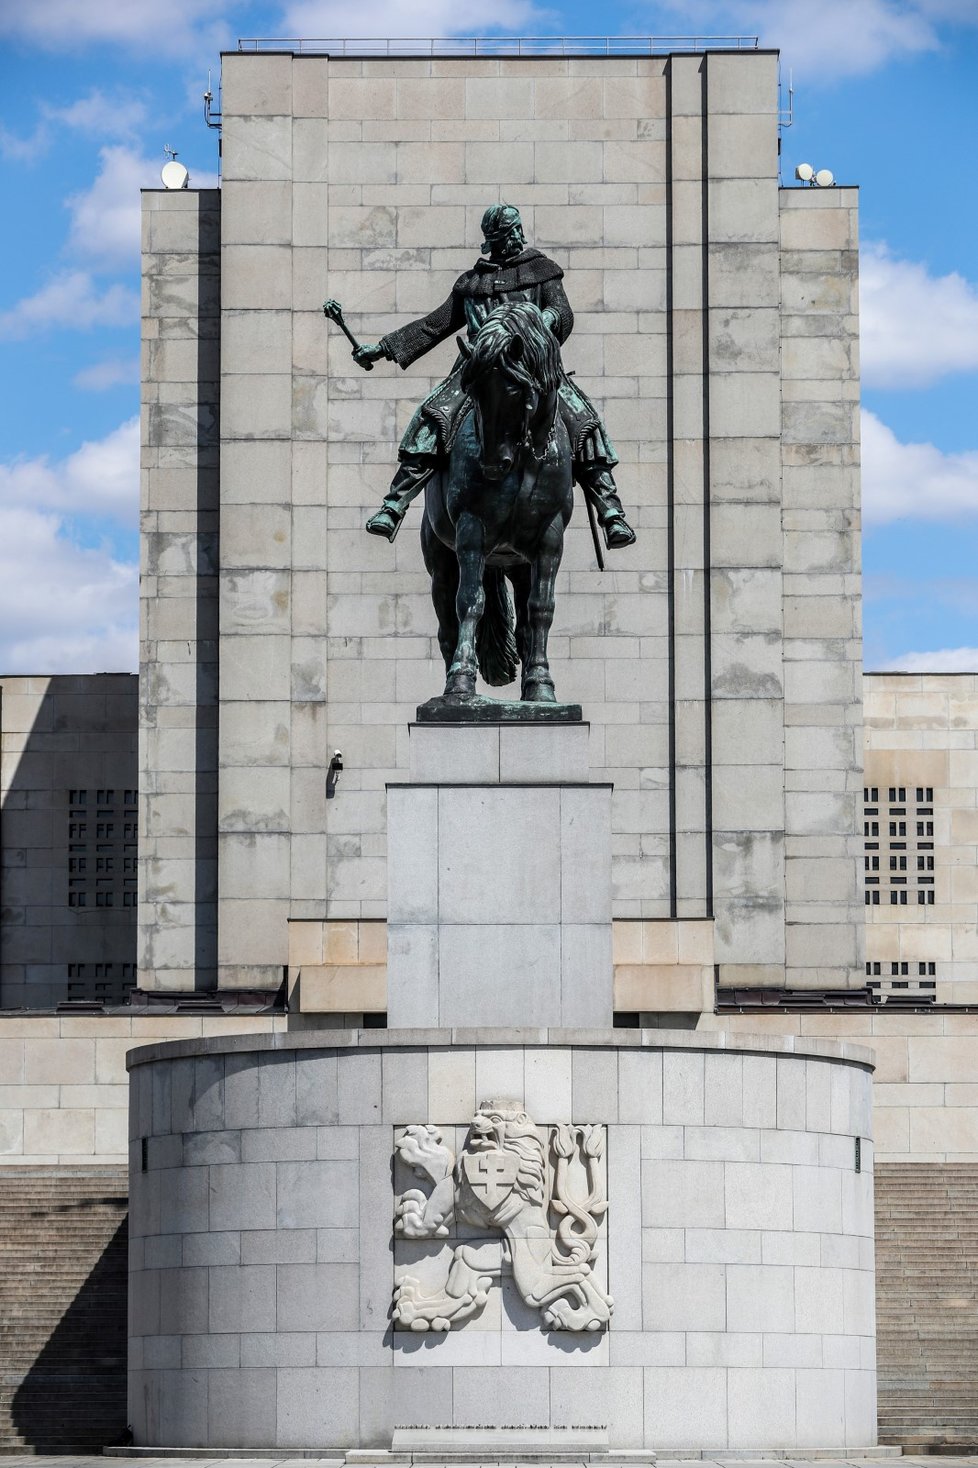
pixel 927 1302
pixel 62 1307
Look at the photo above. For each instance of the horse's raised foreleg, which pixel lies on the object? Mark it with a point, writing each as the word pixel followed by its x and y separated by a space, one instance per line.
pixel 469 603
pixel 442 567
pixel 538 686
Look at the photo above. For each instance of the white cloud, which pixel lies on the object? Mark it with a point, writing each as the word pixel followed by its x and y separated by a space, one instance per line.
pixel 943 660
pixel 174 29
pixel 66 607
pixel 63 608
pixel 112 372
pixel 914 327
pixel 841 39
pixel 71 299
pixel 834 38
pixel 94 115
pixel 105 232
pixel 100 115
pixel 100 478
pixel 24 150
pixel 914 480
pixel 105 217
pixel 321 19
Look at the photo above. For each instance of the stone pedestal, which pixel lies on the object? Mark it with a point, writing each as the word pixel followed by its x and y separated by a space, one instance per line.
pixel 501 1230
pixel 737 1248
pixel 499 880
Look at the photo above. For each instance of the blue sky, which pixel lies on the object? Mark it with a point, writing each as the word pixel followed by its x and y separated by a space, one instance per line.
pixel 90 93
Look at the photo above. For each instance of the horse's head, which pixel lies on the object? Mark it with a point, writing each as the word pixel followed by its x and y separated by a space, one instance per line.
pixel 512 372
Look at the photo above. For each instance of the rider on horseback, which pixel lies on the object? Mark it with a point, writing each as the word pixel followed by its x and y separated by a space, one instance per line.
pixel 511 273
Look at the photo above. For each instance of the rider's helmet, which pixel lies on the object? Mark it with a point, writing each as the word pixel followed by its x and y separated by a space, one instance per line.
pixel 498 221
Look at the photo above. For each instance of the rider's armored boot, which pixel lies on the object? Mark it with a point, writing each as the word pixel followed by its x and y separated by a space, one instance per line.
pixel 598 483
pixel 412 475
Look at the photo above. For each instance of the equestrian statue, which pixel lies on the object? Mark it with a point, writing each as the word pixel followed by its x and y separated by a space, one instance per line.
pixel 497 447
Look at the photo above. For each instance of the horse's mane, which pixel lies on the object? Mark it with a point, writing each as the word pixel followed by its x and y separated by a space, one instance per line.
pixel 539 365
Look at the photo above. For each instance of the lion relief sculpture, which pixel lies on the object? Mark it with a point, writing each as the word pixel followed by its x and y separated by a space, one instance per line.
pixel 541 1188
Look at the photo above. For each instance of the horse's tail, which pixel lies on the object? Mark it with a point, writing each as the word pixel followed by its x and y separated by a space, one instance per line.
pixel 495 641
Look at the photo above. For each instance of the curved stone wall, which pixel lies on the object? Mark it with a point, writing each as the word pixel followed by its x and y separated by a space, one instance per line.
pixel 739 1242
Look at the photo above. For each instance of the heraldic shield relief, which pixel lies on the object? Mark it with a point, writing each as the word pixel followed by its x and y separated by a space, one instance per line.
pixel 519 1201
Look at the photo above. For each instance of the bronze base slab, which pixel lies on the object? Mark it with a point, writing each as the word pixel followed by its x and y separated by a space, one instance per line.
pixel 472 708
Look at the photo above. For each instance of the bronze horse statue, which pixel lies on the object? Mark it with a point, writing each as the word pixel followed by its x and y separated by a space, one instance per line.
pixel 496 511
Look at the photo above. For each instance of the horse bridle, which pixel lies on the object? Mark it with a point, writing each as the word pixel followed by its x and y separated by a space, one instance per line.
pixel 527 440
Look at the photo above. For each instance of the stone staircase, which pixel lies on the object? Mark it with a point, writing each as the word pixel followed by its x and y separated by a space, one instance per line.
pixel 927 1304
pixel 62 1306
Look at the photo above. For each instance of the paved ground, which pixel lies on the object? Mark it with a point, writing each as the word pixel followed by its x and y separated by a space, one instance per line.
pixel 203 1460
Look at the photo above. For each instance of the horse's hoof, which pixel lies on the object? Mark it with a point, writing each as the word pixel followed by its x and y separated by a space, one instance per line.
pixel 539 693
pixel 460 685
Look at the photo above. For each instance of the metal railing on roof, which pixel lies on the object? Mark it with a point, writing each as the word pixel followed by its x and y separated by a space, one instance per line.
pixel 460 46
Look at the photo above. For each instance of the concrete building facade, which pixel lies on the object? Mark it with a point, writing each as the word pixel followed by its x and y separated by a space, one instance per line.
pixel 920 836
pixel 717 660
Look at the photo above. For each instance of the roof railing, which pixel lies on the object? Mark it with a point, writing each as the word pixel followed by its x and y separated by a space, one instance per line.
pixel 489 46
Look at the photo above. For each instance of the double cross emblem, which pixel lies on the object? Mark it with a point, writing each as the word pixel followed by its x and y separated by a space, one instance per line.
pixel 490 1175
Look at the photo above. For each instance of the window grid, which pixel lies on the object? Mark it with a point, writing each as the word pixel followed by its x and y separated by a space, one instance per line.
pixel 905 979
pixel 102 851
pixel 101 983
pixel 904 812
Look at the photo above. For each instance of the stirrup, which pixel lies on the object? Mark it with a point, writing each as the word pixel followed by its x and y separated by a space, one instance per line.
pixel 617 532
pixel 386 522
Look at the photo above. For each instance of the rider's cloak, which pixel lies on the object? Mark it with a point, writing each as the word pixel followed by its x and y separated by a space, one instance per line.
pixel 531 276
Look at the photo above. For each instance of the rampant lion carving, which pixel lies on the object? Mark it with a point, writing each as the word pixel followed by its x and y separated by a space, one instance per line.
pixel 501 1181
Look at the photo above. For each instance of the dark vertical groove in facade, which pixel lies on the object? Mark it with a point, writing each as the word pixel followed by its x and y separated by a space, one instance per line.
pixel 670 514
pixel 208 563
pixel 707 629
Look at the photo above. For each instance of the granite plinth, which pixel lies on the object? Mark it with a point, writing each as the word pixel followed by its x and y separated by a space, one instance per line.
pixel 499 880
pixel 738 1231
pixel 474 709
pixel 491 1443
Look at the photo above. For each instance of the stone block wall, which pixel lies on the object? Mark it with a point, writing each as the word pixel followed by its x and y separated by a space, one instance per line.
pixel 64 1097
pixel 67 859
pixel 653 182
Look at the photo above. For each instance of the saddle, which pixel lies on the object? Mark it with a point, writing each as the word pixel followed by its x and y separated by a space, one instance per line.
pixel 449 405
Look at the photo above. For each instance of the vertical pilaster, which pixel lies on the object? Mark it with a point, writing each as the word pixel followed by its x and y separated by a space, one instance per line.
pixel 255 788
pixel 823 638
pixel 745 633
pixel 178 589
